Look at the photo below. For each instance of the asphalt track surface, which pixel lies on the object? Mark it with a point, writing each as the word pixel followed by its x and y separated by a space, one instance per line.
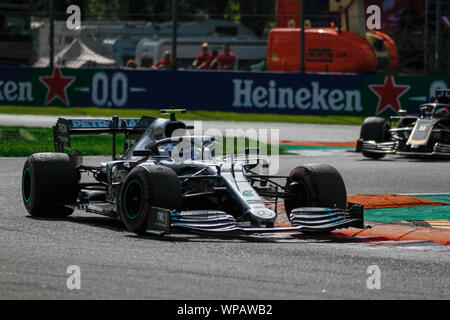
pixel 286 131
pixel 116 264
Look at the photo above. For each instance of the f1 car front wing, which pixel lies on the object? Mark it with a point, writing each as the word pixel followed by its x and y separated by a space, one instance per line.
pixel 378 147
pixel 392 147
pixel 302 219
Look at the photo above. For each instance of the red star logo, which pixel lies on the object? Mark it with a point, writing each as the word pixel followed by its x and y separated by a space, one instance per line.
pixel 389 94
pixel 56 86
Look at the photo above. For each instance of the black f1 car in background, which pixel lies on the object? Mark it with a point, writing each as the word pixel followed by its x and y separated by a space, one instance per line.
pixel 425 135
pixel 158 187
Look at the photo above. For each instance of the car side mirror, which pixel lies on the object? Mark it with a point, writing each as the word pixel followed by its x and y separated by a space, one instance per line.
pixel 142 153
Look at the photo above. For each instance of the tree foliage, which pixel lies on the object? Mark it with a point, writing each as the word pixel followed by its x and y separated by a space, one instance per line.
pixel 254 14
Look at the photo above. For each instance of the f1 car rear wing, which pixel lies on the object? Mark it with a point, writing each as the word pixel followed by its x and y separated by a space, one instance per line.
pixel 64 128
pixel 443 91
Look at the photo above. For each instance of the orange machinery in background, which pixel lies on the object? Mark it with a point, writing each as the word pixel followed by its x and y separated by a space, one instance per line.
pixel 348 49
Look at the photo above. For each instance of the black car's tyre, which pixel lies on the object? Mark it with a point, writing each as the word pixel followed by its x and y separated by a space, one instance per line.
pixel 315 185
pixel 148 186
pixel 375 129
pixel 49 182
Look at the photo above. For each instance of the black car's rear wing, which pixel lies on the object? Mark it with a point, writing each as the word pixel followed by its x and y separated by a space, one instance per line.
pixel 443 91
pixel 64 128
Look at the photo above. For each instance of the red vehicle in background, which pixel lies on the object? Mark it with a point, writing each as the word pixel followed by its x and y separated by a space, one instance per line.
pixel 288 12
pixel 332 43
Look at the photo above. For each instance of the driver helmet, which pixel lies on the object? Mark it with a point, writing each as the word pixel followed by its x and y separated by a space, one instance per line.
pixel 443 113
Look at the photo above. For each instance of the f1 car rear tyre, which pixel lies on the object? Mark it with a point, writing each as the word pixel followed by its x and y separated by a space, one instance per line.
pixel 375 129
pixel 49 182
pixel 315 185
pixel 147 186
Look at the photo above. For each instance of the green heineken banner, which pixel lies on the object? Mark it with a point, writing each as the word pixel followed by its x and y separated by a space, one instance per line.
pixel 280 93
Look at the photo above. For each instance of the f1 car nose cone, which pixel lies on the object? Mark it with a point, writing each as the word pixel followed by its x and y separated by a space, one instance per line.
pixel 263 214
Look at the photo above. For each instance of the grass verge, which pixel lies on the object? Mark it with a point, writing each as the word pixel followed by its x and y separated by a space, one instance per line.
pixel 23 141
pixel 190 115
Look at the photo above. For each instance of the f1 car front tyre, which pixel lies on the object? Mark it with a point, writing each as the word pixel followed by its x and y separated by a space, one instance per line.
pixel 374 129
pixel 315 185
pixel 49 182
pixel 148 186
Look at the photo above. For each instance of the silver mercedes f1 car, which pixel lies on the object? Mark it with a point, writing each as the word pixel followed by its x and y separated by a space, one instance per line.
pixel 165 182
pixel 424 135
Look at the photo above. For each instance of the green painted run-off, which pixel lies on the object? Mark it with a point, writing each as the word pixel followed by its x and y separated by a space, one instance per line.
pixel 412 213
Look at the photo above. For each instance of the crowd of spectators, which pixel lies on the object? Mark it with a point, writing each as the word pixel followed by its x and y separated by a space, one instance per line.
pixel 214 61
pixel 165 63
pixel 205 60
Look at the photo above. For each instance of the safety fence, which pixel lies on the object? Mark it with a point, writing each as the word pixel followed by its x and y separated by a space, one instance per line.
pixel 109 34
